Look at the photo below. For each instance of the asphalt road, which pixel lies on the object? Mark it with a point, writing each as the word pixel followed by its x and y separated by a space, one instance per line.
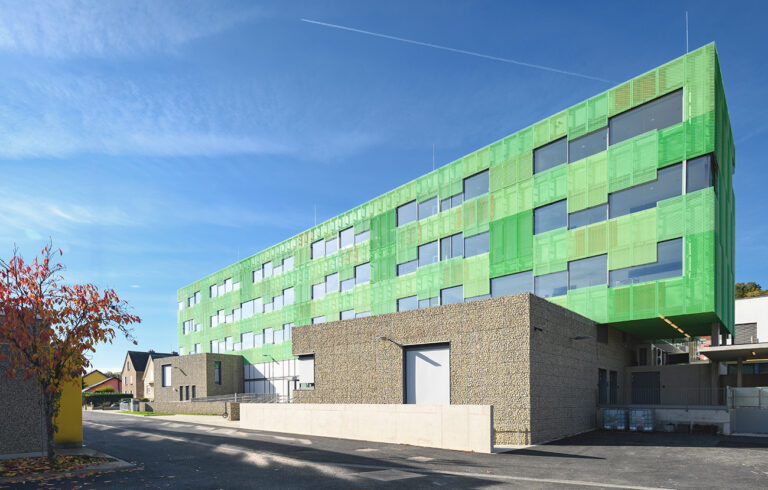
pixel 188 455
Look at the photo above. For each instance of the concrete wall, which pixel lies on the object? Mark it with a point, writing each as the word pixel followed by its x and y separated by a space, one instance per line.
pixel 754 310
pixel 564 369
pixel 489 358
pixel 22 430
pixel 459 427
pixel 197 370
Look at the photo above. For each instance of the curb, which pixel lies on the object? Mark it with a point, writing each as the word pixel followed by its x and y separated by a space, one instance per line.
pixel 117 464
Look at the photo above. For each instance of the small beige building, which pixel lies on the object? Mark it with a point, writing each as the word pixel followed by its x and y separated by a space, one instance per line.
pixel 183 378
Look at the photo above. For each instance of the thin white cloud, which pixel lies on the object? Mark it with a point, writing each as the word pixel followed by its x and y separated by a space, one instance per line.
pixel 56 29
pixel 65 115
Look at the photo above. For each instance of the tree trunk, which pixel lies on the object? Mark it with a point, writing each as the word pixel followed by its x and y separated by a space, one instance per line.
pixel 49 412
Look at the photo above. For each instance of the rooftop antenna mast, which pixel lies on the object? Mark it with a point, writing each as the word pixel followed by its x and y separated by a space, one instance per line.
pixel 686 32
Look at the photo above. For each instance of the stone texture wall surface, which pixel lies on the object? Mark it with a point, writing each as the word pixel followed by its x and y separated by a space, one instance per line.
pixel 21 430
pixel 361 360
pixel 565 358
pixel 198 370
pixel 185 407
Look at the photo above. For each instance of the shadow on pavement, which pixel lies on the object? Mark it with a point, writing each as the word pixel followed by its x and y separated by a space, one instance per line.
pixel 667 439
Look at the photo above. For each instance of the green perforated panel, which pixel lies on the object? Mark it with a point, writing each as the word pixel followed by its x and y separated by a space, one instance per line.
pixel 703 219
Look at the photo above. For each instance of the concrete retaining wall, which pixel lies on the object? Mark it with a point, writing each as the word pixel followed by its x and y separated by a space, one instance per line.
pixel 459 427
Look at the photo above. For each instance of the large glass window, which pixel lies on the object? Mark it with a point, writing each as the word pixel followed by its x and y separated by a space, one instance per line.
pixel 668 184
pixel 288 264
pixel 407 267
pixel 266 269
pixel 548 285
pixel 451 202
pixel 428 253
pixel 551 155
pixel 669 263
pixel 246 340
pixel 318 319
pixel 591 271
pixel 550 217
pixel 476 244
pixel 347 284
pixel 318 290
pixel 657 114
pixel 476 185
pixel 167 368
pixel 407 213
pixel 363 273
pixel 452 295
pixel 588 216
pixel 256 277
pixel 331 246
pixel 428 208
pixel 347 315
pixel 588 145
pixel 428 302
pixel 363 236
pixel 347 237
pixel 318 249
pixel 521 282
pixel 363 314
pixel 288 296
pixel 699 174
pixel 332 283
pixel 409 303
pixel 451 246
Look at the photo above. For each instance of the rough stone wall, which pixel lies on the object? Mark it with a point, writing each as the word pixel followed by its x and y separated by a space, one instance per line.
pixel 197 370
pixel 361 360
pixel 185 407
pixel 21 431
pixel 564 370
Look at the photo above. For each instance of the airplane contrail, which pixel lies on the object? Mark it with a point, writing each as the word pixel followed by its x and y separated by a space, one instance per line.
pixel 460 51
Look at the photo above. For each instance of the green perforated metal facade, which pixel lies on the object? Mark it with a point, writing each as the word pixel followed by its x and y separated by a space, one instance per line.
pixel 698 294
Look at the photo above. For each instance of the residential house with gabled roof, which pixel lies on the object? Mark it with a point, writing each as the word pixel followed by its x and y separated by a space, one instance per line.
pixel 133 370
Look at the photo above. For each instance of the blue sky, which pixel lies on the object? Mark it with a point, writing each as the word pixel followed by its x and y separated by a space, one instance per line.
pixel 157 142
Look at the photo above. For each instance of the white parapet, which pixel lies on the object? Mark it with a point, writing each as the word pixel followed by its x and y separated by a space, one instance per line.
pixel 458 427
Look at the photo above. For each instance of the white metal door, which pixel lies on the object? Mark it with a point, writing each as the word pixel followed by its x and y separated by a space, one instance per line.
pixel 428 375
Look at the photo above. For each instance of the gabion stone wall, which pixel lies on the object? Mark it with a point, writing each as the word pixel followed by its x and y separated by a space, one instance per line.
pixel 494 360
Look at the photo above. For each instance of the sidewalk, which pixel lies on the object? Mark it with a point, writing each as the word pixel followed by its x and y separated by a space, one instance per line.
pixel 114 465
pixel 213 420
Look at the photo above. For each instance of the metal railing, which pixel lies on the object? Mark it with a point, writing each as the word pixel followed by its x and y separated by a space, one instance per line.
pixel 671 397
pixel 756 397
pixel 245 398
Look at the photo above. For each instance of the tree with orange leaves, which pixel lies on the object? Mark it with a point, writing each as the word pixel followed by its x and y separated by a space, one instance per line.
pixel 50 326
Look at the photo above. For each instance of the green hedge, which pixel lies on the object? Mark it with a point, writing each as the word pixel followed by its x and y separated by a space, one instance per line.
pixel 101 398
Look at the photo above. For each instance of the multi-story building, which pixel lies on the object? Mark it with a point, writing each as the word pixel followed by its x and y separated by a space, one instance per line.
pixel 620 208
